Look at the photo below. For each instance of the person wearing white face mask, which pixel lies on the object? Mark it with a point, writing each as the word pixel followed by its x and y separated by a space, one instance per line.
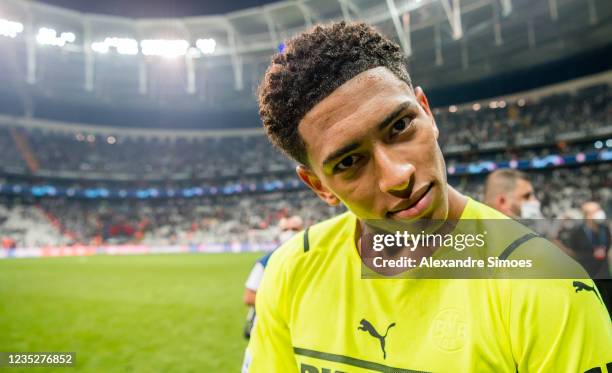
pixel 510 192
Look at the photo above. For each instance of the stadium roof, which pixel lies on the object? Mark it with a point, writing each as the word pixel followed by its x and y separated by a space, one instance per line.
pixel 69 56
pixel 157 8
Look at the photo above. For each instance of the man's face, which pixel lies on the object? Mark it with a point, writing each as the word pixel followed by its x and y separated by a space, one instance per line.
pixel 590 209
pixel 523 192
pixel 372 144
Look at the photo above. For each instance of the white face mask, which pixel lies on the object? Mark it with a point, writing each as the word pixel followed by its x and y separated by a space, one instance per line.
pixel 599 216
pixel 531 210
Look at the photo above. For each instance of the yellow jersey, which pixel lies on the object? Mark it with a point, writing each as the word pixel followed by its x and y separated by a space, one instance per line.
pixel 316 314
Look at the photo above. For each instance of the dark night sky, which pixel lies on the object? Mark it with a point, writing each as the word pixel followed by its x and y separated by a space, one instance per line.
pixel 157 8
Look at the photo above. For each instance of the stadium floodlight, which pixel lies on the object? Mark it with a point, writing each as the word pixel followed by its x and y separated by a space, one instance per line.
pixel 68 37
pixel 99 47
pixel 48 36
pixel 194 53
pixel 164 48
pixel 206 46
pixel 476 107
pixel 10 28
pixel 125 46
pixel 452 109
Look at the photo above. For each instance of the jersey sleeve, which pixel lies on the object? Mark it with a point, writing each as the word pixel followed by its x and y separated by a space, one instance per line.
pixel 252 283
pixel 559 325
pixel 270 348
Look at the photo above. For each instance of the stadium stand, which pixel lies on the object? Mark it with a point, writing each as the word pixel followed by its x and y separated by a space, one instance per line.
pixel 100 148
pixel 217 189
pixel 464 136
pixel 246 217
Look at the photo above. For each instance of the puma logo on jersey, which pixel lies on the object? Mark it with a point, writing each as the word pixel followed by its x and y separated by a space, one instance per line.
pixel 367 327
pixel 580 286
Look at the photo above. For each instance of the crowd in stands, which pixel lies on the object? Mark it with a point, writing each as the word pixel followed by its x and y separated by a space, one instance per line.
pixel 202 158
pixel 589 109
pixel 243 218
pixel 241 161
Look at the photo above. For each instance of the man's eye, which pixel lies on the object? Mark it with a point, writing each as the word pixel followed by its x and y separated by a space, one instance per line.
pixel 347 162
pixel 400 126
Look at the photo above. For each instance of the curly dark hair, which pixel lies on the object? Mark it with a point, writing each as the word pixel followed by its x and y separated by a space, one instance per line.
pixel 313 65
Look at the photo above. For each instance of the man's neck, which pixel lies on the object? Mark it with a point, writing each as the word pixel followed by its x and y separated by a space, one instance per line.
pixel 456 203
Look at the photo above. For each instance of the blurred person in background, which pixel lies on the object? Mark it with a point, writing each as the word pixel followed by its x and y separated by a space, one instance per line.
pixel 289 227
pixel 510 192
pixel 590 241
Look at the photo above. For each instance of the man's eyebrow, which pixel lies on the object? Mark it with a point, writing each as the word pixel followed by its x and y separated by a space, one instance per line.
pixel 340 152
pixel 389 119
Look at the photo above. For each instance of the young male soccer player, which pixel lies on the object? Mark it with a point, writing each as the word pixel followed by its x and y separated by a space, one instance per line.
pixel 340 101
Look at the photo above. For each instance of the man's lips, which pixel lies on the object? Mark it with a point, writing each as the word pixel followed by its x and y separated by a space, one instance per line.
pixel 414 205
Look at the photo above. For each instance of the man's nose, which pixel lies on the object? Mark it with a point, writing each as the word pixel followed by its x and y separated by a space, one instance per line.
pixel 394 176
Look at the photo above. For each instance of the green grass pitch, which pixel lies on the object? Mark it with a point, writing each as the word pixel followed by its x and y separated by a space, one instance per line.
pixel 151 313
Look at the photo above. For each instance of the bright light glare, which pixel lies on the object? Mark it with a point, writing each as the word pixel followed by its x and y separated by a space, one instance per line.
pixel 206 46
pixel 194 52
pixel 68 37
pixel 10 28
pixel 121 45
pixel 164 48
pixel 99 47
pixel 48 36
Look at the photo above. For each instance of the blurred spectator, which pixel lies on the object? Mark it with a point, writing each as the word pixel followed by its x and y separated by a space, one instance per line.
pixel 590 241
pixel 510 192
pixel 289 227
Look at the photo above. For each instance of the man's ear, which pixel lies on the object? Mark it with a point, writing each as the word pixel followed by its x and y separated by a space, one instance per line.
pixel 422 100
pixel 504 204
pixel 500 201
pixel 314 183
